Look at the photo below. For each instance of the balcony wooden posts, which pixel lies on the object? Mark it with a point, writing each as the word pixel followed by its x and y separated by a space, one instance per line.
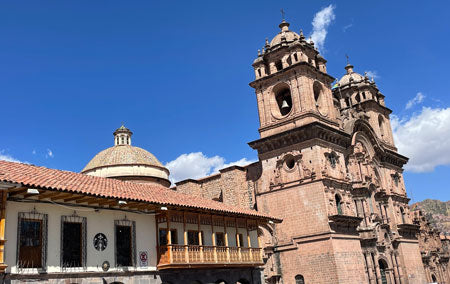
pixel 3 196
pixel 202 250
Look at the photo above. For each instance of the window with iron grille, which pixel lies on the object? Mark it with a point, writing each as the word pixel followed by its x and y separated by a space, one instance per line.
pixel 32 240
pixel 125 242
pixel 73 241
pixel 163 236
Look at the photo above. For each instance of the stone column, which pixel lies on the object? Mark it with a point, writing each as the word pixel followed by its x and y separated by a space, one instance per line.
pixel 370 270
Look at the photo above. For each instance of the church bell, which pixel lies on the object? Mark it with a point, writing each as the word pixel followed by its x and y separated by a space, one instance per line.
pixel 284 104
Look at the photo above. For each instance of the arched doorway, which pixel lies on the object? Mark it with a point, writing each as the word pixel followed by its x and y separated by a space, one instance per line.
pixel 383 266
pixel 299 279
pixel 433 278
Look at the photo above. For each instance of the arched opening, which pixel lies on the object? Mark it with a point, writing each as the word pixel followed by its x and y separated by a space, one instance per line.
pixel 290 162
pixel 289 61
pixel 338 200
pixel 433 278
pixel 259 72
pixel 402 212
pixel 284 101
pixel 348 102
pixel 279 65
pixel 383 266
pixel 299 279
pixel 317 88
pixel 295 57
pixel 243 281
pixel 381 125
pixel 358 98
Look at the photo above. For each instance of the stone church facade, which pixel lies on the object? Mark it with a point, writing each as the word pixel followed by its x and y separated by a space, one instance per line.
pixel 328 167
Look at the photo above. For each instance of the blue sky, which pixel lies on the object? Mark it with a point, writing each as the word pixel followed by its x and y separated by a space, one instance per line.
pixel 177 74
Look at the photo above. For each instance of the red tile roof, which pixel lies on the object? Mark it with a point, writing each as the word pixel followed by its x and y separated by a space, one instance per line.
pixel 51 179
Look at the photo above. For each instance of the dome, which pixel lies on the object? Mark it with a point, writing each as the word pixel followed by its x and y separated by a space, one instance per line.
pixel 285 33
pixel 122 155
pixel 126 162
pixel 351 76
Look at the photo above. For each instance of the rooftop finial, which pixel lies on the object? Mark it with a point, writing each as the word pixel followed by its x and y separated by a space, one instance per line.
pixel 348 67
pixel 122 136
pixel 282 15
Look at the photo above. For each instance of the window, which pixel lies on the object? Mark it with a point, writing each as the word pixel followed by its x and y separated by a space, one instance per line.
pixel 73 241
pixel 259 72
pixel 240 237
pixel 163 237
pixel 193 239
pixel 32 240
pixel 381 124
pixel 125 241
pixel 220 239
pixel 332 160
pixel 338 204
pixel 295 57
pixel 279 65
pixel 402 212
pixel 284 101
pixel 290 162
pixel 299 279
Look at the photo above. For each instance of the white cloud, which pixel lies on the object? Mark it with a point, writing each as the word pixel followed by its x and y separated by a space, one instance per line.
pixel 320 24
pixel 33 152
pixel 9 158
pixel 424 138
pixel 197 165
pixel 346 27
pixel 49 154
pixel 372 74
pixel 416 100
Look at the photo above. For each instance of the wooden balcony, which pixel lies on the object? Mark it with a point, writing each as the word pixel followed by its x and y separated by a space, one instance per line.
pixel 191 256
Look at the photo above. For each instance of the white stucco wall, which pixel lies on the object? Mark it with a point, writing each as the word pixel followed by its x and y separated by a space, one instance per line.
pixel 97 222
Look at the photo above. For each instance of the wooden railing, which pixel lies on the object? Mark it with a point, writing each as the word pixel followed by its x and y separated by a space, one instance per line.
pixel 189 255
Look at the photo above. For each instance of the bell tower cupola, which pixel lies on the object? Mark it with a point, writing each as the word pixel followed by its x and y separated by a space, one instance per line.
pixel 122 136
pixel 291 84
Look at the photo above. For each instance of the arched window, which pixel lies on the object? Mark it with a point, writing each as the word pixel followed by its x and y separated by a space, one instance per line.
pixel 299 279
pixel 383 266
pixel 295 57
pixel 289 61
pixel 381 124
pixel 317 93
pixel 433 278
pixel 259 72
pixel 284 101
pixel 402 212
pixel 338 200
pixel 279 65
pixel 358 98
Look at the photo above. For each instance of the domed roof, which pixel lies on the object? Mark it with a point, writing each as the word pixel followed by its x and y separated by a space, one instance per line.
pixel 285 33
pixel 122 155
pixel 126 162
pixel 351 76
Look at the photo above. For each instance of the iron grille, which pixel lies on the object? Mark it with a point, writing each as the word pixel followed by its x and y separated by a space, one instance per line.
pixel 74 218
pixel 132 225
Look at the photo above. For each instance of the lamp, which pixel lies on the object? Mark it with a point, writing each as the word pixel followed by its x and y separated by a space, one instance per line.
pixel 32 191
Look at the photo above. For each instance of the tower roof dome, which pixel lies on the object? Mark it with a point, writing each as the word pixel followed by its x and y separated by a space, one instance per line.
pixel 351 76
pixel 126 162
pixel 284 35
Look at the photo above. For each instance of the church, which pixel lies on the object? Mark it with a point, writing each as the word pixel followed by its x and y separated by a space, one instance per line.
pixel 324 203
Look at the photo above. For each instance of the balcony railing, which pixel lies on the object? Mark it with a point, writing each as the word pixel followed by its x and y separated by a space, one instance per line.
pixel 179 256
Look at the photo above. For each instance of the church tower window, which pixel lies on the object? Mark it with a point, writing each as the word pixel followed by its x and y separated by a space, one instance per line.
pixel 299 279
pixel 295 57
pixel 338 204
pixel 279 65
pixel 381 125
pixel 284 101
pixel 317 88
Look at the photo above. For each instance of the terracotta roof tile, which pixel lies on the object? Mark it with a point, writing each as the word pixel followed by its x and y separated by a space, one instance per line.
pixel 45 178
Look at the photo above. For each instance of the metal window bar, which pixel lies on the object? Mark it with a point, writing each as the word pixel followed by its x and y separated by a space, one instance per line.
pixel 36 216
pixel 74 218
pixel 132 224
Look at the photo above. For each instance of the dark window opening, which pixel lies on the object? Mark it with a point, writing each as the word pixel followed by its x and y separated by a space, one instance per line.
pixel 290 162
pixel 338 204
pixel 193 239
pixel 348 102
pixel 402 212
pixel 358 98
pixel 317 93
pixel 295 57
pixel 364 95
pixel 383 268
pixel 72 245
pixel 163 237
pixel 279 65
pixel 433 278
pixel 240 237
pixel 259 72
pixel 123 246
pixel 289 61
pixel 284 101
pixel 299 279
pixel 332 160
pixel 220 239
pixel 30 243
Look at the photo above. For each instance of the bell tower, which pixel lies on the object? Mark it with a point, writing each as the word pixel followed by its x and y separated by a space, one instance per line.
pixel 292 85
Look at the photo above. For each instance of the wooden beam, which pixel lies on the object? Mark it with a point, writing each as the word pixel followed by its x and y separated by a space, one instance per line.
pixel 15 189
pixel 73 198
pixel 61 196
pixel 85 199
pixel 18 192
